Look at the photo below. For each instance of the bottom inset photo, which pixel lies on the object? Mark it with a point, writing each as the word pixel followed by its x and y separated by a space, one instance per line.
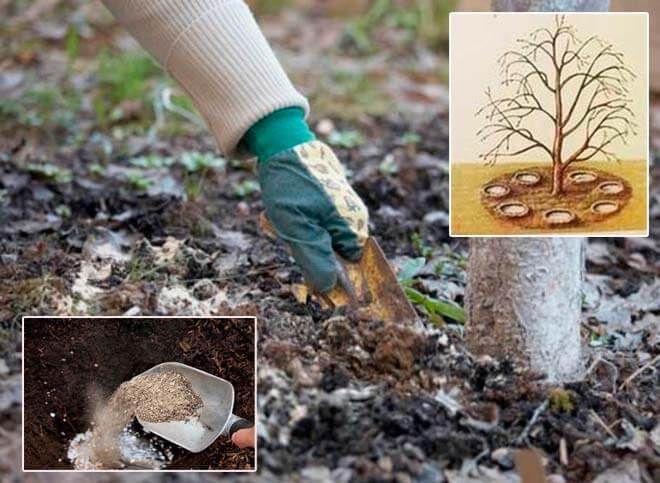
pixel 139 393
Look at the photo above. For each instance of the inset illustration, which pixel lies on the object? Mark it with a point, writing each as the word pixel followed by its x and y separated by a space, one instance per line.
pixel 139 393
pixel 549 116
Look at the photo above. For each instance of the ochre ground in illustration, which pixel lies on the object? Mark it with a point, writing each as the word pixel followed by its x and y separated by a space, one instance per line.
pixel 515 199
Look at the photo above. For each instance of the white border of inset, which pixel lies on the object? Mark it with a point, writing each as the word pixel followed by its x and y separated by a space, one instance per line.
pixel 615 234
pixel 256 339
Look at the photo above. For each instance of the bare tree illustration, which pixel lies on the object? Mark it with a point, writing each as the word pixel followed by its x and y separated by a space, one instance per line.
pixel 579 87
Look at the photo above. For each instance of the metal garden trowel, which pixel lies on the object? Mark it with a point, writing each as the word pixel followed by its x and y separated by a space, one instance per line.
pixel 368 286
pixel 215 417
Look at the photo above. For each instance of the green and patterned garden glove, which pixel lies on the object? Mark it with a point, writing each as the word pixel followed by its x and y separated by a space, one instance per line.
pixel 307 197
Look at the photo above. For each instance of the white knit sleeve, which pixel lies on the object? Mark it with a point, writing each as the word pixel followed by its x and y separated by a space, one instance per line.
pixel 217 53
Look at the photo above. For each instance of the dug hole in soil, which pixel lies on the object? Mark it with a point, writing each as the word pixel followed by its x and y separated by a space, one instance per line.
pixel 68 359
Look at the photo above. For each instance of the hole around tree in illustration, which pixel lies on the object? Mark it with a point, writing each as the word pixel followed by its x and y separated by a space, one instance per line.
pixel 512 209
pixel 582 176
pixel 559 216
pixel 528 178
pixel 524 197
pixel 496 190
pixel 611 187
pixel 605 207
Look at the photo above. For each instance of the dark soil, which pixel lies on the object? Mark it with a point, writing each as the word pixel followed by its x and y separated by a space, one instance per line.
pixel 339 399
pixel 66 359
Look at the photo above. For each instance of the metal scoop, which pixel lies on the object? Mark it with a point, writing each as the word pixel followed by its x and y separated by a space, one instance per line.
pixel 215 418
pixel 368 286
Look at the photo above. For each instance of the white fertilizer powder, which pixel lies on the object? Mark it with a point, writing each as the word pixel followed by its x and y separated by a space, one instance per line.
pixel 110 444
pixel 134 452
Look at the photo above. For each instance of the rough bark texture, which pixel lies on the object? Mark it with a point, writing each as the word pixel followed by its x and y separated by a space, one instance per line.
pixel 524 302
pixel 550 5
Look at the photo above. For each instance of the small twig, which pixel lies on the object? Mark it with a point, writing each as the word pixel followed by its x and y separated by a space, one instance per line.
pixel 563 452
pixel 639 371
pixel 532 422
pixel 616 423
pixel 602 424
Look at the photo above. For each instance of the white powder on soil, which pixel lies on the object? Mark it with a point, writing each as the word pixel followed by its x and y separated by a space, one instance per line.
pixel 160 397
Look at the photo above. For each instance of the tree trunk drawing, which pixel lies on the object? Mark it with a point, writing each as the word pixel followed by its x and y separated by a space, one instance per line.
pixel 523 297
pixel 557 171
pixel 557 178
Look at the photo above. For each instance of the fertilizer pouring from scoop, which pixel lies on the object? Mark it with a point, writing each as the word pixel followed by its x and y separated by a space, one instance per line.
pixel 368 286
pixel 216 417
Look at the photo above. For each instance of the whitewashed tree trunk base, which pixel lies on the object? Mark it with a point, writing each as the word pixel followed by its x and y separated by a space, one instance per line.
pixel 524 295
pixel 550 5
pixel 524 303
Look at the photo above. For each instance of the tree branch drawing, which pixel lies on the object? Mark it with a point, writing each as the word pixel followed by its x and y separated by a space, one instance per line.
pixel 578 87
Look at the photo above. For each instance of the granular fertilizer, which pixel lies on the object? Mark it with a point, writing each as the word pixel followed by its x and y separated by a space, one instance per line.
pixel 161 397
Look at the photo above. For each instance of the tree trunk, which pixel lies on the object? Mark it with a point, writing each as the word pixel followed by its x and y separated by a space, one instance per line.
pixel 557 178
pixel 523 297
pixel 550 5
pixel 524 301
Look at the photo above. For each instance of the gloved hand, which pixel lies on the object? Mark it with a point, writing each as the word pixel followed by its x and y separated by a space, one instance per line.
pixel 313 208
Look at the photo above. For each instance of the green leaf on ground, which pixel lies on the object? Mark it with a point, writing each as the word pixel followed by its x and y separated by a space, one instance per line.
pixel 435 307
pixel 51 172
pixel 421 247
pixel 151 161
pixel 346 139
pixel 246 188
pixel 388 166
pixel 411 138
pixel 195 161
pixel 139 182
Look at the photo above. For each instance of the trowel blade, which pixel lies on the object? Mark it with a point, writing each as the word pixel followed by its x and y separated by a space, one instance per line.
pixel 370 287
